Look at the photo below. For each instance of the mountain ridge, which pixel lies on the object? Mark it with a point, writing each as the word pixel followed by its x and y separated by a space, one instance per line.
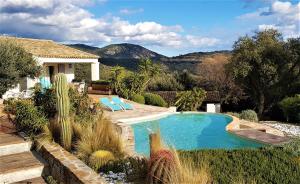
pixel 128 56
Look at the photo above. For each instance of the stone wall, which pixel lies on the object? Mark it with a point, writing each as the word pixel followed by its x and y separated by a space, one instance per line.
pixel 64 167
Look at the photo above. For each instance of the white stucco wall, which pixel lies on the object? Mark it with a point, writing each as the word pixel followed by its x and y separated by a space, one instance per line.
pixel 69 71
pixel 214 108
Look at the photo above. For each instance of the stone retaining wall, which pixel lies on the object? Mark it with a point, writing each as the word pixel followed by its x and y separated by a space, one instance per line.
pixel 66 168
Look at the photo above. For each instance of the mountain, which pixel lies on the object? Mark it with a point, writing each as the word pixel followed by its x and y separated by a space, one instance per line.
pixel 124 54
pixel 127 51
pixel 84 47
pixel 128 55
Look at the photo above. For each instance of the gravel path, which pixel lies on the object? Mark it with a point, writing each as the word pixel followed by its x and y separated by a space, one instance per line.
pixel 291 130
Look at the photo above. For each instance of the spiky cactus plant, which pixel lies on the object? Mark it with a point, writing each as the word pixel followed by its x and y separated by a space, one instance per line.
pixel 163 166
pixel 100 157
pixel 63 109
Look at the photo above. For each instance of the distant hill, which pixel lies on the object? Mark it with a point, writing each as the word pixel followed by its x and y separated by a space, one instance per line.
pixel 124 54
pixel 84 47
pixel 128 55
pixel 127 51
pixel 193 62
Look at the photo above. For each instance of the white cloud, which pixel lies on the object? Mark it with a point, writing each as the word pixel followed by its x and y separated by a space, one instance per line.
pixel 283 16
pixel 202 40
pixel 68 21
pixel 127 11
pixel 282 7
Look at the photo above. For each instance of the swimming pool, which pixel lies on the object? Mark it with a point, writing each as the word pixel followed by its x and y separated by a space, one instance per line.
pixel 188 131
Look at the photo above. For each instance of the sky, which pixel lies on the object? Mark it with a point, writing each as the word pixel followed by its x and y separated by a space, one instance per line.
pixel 167 27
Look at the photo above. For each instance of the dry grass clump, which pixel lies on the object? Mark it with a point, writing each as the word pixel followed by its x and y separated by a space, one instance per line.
pixel 100 135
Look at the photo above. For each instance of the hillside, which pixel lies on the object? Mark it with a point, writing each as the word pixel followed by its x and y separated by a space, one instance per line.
pixel 194 62
pixel 128 55
pixel 124 54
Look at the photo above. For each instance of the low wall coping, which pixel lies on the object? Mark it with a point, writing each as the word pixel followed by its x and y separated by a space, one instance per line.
pixel 66 167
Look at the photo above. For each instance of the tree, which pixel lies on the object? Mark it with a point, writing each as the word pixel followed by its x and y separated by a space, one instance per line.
pixel 15 64
pixel 265 67
pixel 214 78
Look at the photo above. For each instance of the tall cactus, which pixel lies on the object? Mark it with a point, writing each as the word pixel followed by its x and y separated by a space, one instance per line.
pixel 63 109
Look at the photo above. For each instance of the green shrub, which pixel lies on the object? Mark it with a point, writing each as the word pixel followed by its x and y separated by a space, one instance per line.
pixel 164 82
pixel 190 100
pixel 268 165
pixel 28 118
pixel 154 99
pixel 103 82
pixel 291 108
pixel 45 101
pixel 10 106
pixel 249 115
pixel 138 98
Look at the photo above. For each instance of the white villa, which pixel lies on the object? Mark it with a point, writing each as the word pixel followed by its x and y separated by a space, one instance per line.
pixel 55 58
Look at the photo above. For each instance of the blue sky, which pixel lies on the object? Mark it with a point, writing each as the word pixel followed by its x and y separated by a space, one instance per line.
pixel 168 27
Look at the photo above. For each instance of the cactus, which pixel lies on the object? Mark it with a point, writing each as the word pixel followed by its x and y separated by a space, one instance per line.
pixel 163 166
pixel 100 158
pixel 63 109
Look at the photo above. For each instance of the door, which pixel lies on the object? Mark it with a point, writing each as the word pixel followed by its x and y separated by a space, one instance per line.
pixel 61 68
pixel 51 73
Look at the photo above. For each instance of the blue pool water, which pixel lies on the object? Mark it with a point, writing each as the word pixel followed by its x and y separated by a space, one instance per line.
pixel 190 131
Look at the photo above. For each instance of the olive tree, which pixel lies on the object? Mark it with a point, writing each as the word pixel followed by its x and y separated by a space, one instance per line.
pixel 15 63
pixel 266 67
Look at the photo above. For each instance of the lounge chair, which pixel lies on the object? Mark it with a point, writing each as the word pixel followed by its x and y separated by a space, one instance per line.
pixel 118 101
pixel 113 107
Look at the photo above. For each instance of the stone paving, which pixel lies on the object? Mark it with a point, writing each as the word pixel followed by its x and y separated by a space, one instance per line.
pixel 256 131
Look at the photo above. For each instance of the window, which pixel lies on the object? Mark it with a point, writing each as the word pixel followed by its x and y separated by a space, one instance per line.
pixel 70 66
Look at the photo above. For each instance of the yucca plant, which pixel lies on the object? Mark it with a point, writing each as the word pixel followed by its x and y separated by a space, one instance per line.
pixel 100 158
pixel 63 109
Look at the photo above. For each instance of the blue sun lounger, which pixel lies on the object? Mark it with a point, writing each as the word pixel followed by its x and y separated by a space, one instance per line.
pixel 113 107
pixel 118 101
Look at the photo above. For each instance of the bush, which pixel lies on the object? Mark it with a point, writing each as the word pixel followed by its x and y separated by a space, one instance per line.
pixel 190 100
pixel 28 118
pixel 267 165
pixel 10 106
pixel 291 108
pixel 45 101
pixel 249 115
pixel 103 82
pixel 165 82
pixel 138 98
pixel 154 99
